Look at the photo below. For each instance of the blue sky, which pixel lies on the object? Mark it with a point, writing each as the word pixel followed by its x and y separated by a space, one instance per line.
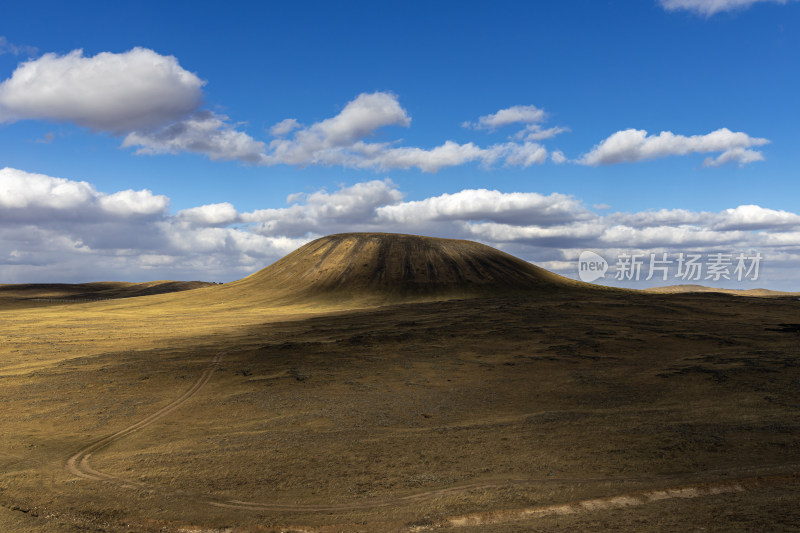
pixel 544 128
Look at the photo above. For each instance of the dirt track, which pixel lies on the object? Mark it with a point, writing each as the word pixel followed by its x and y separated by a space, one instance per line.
pixel 616 502
pixel 78 464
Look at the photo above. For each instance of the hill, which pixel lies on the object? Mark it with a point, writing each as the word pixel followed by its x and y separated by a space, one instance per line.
pixel 101 290
pixel 344 270
pixel 384 267
pixel 756 293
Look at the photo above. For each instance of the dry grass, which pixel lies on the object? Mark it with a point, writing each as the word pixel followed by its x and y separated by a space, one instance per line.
pixel 404 417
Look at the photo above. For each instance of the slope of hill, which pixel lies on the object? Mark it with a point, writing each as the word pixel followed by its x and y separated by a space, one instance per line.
pixel 339 271
pixel 759 293
pixel 389 268
pixel 102 290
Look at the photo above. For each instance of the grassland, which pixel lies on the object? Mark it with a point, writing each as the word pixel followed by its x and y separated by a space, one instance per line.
pixel 558 409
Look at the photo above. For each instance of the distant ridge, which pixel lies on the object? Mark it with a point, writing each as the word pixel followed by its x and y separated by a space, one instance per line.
pixel 101 290
pixel 688 288
pixel 395 267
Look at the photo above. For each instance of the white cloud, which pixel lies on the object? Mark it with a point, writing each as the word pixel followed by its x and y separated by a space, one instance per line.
pixel 337 140
pixel 16 49
pixel 710 7
pixel 154 102
pixel 210 215
pixel 662 217
pixel 360 118
pixel 486 205
pixel 743 217
pixel 117 93
pixel 322 212
pixel 55 229
pixel 525 155
pixel 204 133
pixel 742 156
pixel 575 233
pixel 558 157
pixel 28 196
pixel 133 203
pixel 628 146
pixel 534 132
pixel 284 126
pixel 525 114
pixel 340 141
pixel 754 217
pixel 151 100
pixel 658 237
pixel 23 190
pixel 449 154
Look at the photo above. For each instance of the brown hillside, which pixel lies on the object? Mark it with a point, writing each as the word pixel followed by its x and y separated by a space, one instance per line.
pixel 101 290
pixel 394 267
pixel 759 293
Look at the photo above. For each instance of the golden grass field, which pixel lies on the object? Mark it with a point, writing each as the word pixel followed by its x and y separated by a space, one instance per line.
pixel 395 383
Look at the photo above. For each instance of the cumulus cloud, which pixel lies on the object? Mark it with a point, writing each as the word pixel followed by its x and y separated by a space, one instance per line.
pixel 741 156
pixel 337 140
pixel 710 7
pixel 670 237
pixel 449 154
pixel 221 214
pixel 49 222
pixel 29 196
pixel 535 132
pixel 155 104
pixel 558 157
pixel 325 212
pixel 204 133
pixel 628 146
pixel 132 203
pixel 524 150
pixel 743 217
pixel 117 93
pixel 572 234
pixel 525 155
pixel 340 140
pixel 56 229
pixel 359 118
pixel 525 114
pixel 754 217
pixel 662 217
pixel 487 205
pixel 284 126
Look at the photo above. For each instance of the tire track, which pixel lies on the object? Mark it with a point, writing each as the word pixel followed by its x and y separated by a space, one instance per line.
pixel 78 464
pixel 684 490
